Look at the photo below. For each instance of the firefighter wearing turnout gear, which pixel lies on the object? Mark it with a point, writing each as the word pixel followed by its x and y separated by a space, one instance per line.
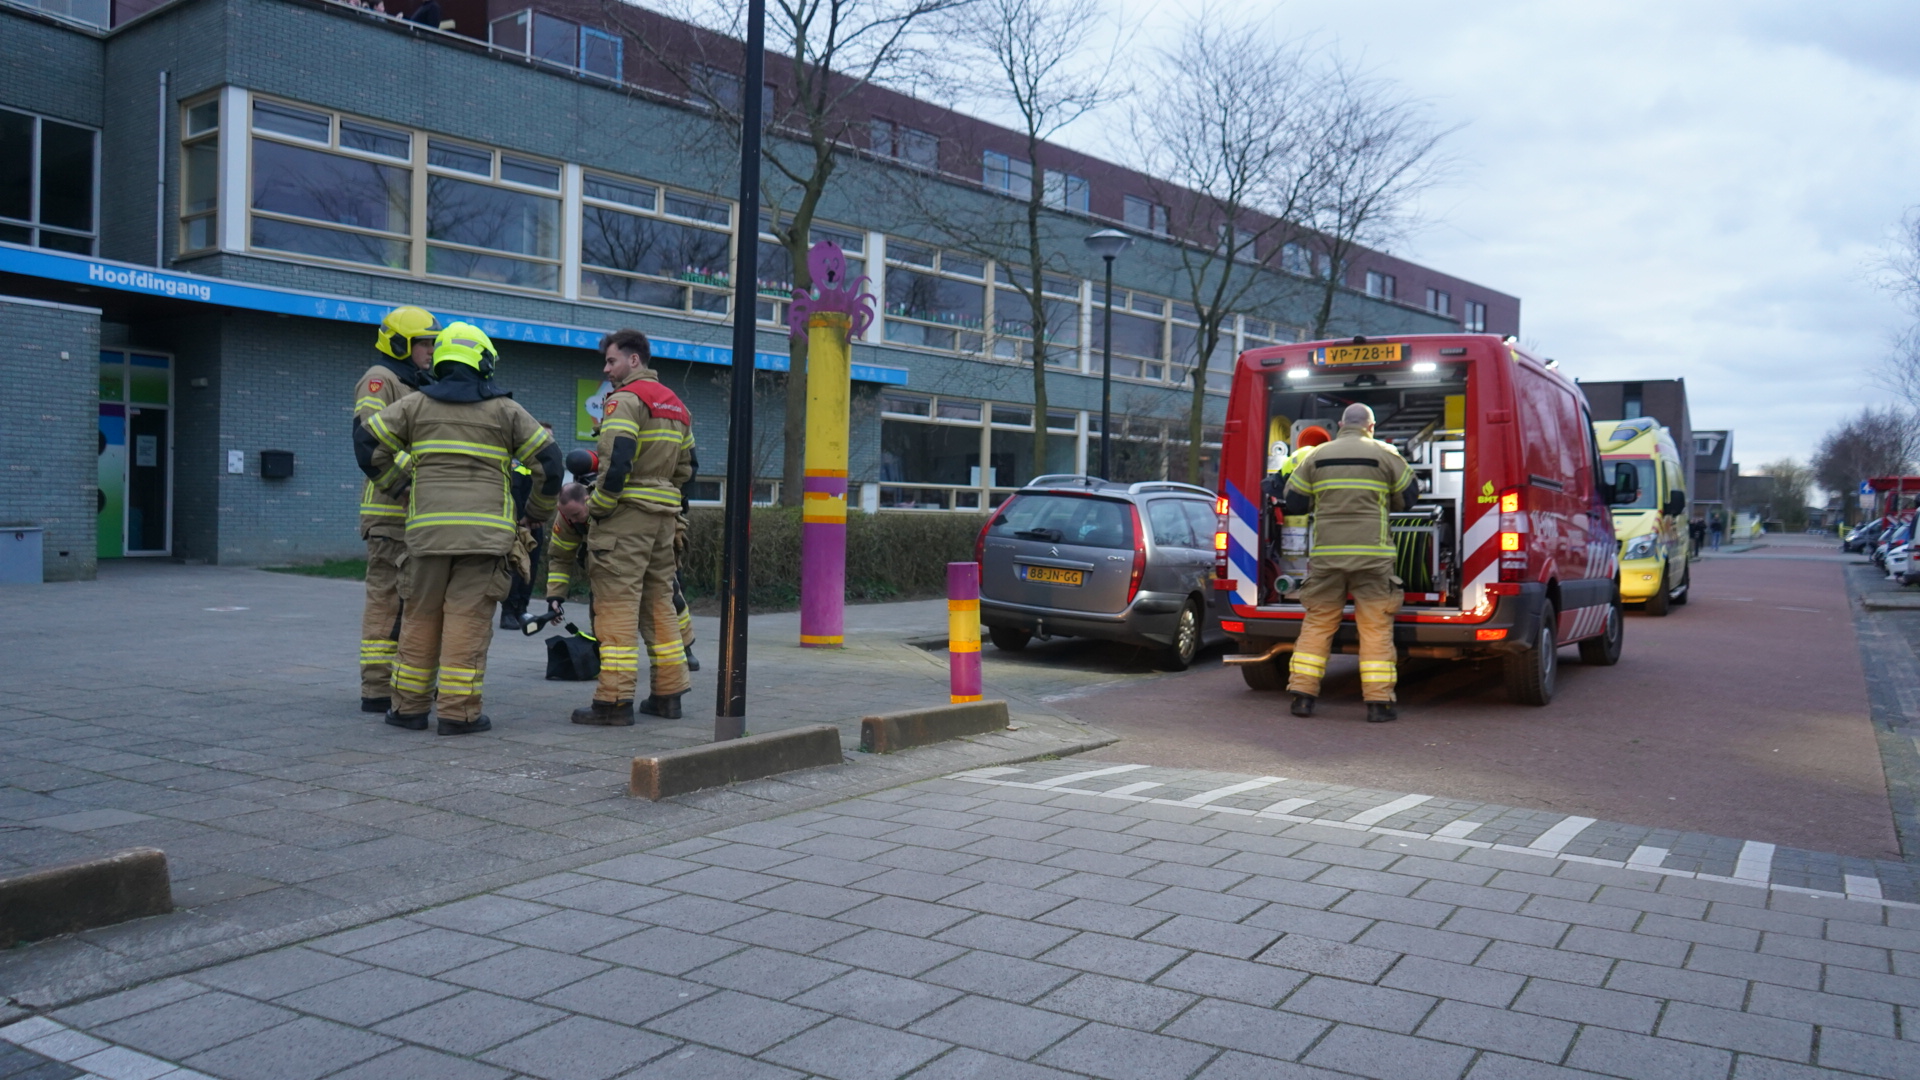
pixel 1349 485
pixel 463 433
pixel 645 450
pixel 405 344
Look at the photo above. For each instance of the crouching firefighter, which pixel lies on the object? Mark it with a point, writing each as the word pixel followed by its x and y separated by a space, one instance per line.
pixel 463 433
pixel 1349 485
pixel 645 451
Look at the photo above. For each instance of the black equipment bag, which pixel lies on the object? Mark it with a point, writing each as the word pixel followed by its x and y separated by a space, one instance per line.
pixel 575 658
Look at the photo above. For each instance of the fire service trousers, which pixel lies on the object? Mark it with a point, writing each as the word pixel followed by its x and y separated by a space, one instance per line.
pixel 380 618
pixel 1376 596
pixel 446 631
pixel 631 571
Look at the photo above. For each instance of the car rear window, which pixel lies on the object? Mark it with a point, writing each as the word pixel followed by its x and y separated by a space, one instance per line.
pixel 1066 519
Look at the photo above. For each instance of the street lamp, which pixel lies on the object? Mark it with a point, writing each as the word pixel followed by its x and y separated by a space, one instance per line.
pixel 1107 243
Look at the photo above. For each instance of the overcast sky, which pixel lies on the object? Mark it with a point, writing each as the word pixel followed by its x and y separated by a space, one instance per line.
pixel 1692 190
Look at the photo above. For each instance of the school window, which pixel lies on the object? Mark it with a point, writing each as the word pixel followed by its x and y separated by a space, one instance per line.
pixel 492 216
pixel 1145 215
pixel 47 183
pixel 1139 334
pixel 1296 259
pixel 1379 285
pixel 1474 317
pixel 1065 191
pixel 1013 316
pixel 776 266
pixel 331 187
pixel 940 453
pixel 935 299
pixel 1239 243
pixel 559 41
pixel 905 144
pixel 1439 302
pixel 199 175
pixel 644 244
pixel 714 86
pixel 1006 174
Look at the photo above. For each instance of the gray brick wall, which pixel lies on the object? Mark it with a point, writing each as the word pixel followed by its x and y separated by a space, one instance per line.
pixel 36 45
pixel 49 443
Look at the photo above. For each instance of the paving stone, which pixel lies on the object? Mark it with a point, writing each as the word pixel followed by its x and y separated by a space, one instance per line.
pixel 767 973
pixel 272 974
pixel 1004 977
pixel 1014 937
pixel 1387 1056
pixel 1237 980
pixel 1119 1054
pixel 850 1050
pixel 418 1063
pixel 790 932
pixel 665 949
pixel 1501 1067
pixel 1321 957
pixel 1873 1055
pixel 1559 909
pixel 1208 935
pixel 1746 1032
pixel 569 931
pixel 580 1048
pixel 1640 1057
pixel 914 885
pixel 369 997
pixel 1438 944
pixel 1105 887
pixel 1008 900
pixel 997 1026
pixel 1121 1002
pixel 1663 982
pixel 877 998
pixel 695 914
pixel 1545 963
pixel 305 1049
pixel 431 951
pixel 1241 1027
pixel 811 898
pixel 968 1064
pixel 187 1027
pixel 1395 908
pixel 1234 1065
pixel 625 996
pixel 1829 1010
pixel 827 870
pixel 1498 1030
pixel 1201 904
pixel 640 869
pixel 1468 895
pixel 523 972
pixel 904 916
pixel 469 1023
pixel 482 914
pixel 105 1010
pixel 1359 1003
pixel 1727 937
pixel 739 856
pixel 1511 928
pixel 1326 925
pixel 736 1022
pixel 1819 951
pixel 1441 978
pixel 1590 1005
pixel 1852 982
pixel 1882 937
pixel 1759 967
pixel 1008 872
pixel 1301 894
pixel 1684 907
pixel 1107 955
pixel 883 950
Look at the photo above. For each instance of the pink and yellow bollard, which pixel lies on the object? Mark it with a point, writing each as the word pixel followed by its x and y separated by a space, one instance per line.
pixel 963 631
pixel 823 504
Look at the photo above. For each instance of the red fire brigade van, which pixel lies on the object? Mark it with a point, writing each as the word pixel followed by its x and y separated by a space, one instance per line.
pixel 1508 549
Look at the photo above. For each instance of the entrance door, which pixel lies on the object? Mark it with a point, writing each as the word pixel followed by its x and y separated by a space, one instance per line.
pixel 136 454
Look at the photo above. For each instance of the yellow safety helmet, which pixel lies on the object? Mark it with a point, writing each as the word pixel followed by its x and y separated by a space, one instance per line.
pixel 465 343
pixel 401 326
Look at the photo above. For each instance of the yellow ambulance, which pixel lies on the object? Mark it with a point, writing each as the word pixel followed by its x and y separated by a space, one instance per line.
pixel 1652 529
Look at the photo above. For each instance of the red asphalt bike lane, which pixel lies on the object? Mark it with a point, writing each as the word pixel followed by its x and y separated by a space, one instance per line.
pixel 1743 713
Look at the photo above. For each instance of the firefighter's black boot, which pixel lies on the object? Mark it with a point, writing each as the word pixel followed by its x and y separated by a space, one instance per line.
pixel 466 727
pixel 510 620
pixel 1381 712
pixel 1303 704
pixel 606 714
pixel 665 706
pixel 693 662
pixel 411 721
pixel 375 704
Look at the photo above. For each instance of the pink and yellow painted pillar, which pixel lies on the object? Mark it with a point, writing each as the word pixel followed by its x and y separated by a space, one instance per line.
pixel 823 504
pixel 963 631
pixel 830 316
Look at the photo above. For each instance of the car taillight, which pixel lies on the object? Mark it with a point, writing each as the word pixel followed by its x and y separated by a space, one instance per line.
pixel 980 542
pixel 1513 541
pixel 1139 555
pixel 1233 626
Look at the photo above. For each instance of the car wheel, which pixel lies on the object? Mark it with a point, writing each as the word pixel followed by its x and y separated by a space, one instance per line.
pixel 1264 675
pixel 1659 603
pixel 1008 639
pixel 1604 651
pixel 1186 640
pixel 1686 587
pixel 1531 674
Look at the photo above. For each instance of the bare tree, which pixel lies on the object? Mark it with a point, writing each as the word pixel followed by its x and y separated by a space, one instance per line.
pixel 831 52
pixel 1876 442
pixel 1789 485
pixel 1229 132
pixel 1379 151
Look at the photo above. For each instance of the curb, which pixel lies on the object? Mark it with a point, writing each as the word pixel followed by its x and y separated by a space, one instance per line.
pixel 83 895
pixel 889 732
pixel 711 765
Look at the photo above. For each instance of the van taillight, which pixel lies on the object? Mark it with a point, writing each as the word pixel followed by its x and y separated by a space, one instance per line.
pixel 1513 541
pixel 1139 555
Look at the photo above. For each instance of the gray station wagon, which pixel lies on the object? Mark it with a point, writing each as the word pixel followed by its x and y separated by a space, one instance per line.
pixel 1076 556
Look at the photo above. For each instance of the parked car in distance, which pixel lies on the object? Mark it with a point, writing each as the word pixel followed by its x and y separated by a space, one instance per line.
pixel 1899 534
pixel 1864 536
pixel 1077 556
pixel 1899 561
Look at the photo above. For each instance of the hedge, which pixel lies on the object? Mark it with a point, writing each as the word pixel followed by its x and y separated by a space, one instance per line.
pixel 890 556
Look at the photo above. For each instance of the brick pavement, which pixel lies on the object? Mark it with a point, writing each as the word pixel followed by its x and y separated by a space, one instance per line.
pixel 212 712
pixel 1037 921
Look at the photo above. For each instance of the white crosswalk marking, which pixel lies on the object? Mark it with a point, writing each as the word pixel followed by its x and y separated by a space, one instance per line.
pixel 1864 887
pixel 1217 794
pixel 1756 862
pixel 1288 806
pixel 1458 830
pixel 1386 810
pixel 1134 789
pixel 1646 857
pixel 1557 838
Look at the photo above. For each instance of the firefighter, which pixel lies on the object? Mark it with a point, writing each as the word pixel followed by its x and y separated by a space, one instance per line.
pixel 565 545
pixel 1349 484
pixel 529 545
pixel 405 345
pixel 463 433
pixel 645 450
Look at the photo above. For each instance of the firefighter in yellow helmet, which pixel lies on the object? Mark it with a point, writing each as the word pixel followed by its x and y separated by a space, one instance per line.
pixel 405 345
pixel 1349 484
pixel 463 433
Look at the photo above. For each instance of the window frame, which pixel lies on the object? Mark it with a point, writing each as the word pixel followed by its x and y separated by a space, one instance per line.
pixel 1010 169
pixel 1156 215
pixel 772 299
pixel 36 203
pixel 190 140
pixel 967 340
pixel 1473 316
pixel 719 292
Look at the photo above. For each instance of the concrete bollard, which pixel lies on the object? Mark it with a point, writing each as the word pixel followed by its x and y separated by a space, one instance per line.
pixel 963 631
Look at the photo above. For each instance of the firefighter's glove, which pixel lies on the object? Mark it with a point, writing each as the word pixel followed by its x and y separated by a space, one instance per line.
pixel 679 538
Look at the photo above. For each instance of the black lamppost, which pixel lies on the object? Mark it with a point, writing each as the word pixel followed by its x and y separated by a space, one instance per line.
pixel 730 712
pixel 1107 243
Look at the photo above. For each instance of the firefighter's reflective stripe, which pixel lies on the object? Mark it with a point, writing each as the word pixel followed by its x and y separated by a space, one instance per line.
pixel 532 446
pixel 459 680
pixel 620 658
pixel 1337 483
pixel 666 435
pixel 380 431
pixel 1377 671
pixel 665 495
pixel 1330 550
pixel 457 446
pixel 378 650
pixel 489 521
pixel 620 425
pixel 407 677
pixel 667 652
pixel 602 499
pixel 1308 664
pixel 370 402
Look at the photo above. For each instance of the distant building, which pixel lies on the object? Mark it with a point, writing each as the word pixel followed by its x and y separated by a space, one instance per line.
pixel 1714 472
pixel 1663 399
